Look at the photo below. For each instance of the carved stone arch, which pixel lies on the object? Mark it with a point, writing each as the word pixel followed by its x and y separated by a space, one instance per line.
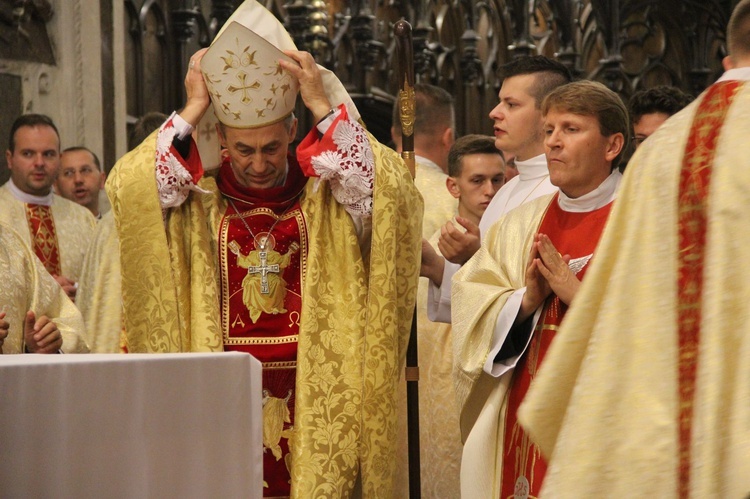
pixel 157 58
pixel 133 59
pixel 593 46
pixel 545 30
pixel 344 54
pixel 655 49
pixel 149 58
pixel 495 36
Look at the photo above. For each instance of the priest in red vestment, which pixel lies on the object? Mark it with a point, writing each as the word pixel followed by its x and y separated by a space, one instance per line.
pixel 646 391
pixel 307 261
pixel 511 297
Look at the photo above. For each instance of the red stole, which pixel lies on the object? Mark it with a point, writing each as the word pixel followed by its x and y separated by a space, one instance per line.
pixel 262 270
pixel 44 237
pixel 695 178
pixel 575 234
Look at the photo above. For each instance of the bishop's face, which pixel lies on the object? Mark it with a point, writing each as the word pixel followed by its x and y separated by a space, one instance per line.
pixel 258 155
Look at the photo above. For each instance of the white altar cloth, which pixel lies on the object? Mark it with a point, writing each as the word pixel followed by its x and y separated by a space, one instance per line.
pixel 131 426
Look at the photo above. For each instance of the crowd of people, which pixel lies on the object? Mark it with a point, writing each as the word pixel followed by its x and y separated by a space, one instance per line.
pixel 579 277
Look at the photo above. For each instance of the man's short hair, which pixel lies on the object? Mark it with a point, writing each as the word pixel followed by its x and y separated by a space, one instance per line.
pixel 288 122
pixel 30 120
pixel 82 148
pixel 738 30
pixel 434 110
pixel 468 145
pixel 549 73
pixel 662 99
pixel 145 125
pixel 590 98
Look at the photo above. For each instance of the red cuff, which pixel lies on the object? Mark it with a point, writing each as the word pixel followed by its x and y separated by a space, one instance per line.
pixel 192 164
pixel 315 145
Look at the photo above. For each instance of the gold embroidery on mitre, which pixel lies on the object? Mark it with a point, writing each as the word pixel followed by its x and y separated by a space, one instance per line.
pixel 247 85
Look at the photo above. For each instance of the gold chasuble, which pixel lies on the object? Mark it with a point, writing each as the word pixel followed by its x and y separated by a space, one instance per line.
pixel 59 234
pixel 28 286
pixel 286 282
pixel 430 182
pixel 645 391
pixel 499 460
pixel 99 296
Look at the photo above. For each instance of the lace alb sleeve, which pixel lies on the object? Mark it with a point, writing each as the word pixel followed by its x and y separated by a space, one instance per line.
pixel 349 167
pixel 173 181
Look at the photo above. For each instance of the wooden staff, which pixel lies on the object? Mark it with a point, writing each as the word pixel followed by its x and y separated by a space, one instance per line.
pixel 407 105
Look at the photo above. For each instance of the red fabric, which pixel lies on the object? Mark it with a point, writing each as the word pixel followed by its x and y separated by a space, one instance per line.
pixel 274 198
pixel 695 179
pixel 575 234
pixel 313 144
pixel 44 237
pixel 270 337
pixel 193 163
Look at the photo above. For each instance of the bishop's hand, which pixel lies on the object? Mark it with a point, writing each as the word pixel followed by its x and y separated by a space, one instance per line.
pixel 198 98
pixel 310 82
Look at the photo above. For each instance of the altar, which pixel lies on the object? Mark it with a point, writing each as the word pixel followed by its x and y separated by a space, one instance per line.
pixel 131 425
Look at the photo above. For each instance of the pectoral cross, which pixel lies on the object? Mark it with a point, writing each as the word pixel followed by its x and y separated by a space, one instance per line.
pixel 263 269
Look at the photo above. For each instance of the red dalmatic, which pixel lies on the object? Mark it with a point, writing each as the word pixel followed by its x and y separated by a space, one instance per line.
pixel 574 234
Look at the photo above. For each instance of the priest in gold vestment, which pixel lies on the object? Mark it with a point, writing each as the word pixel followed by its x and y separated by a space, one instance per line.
pixel 475 168
pixel 342 209
pixel 99 295
pixel 509 299
pixel 28 287
pixel 57 230
pixel 645 392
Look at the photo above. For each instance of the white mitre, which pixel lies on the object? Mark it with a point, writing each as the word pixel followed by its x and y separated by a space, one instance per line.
pixel 264 24
pixel 248 86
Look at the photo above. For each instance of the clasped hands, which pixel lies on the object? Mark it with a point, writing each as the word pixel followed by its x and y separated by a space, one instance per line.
pixel 455 245
pixel 547 272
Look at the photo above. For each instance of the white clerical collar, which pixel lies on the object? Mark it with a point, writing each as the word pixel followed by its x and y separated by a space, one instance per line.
pixel 532 168
pixel 735 74
pixel 27 198
pixel 428 163
pixel 599 197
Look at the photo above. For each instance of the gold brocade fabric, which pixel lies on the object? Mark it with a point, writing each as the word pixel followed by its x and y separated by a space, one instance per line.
pixel 479 292
pixel 74 228
pixel 28 286
pixel 99 296
pixel 605 405
pixel 169 278
pixel 439 436
pixel 430 182
pixel 355 314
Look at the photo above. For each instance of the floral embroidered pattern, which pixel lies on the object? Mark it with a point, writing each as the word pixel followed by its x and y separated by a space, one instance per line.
pixel 349 168
pixel 173 181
